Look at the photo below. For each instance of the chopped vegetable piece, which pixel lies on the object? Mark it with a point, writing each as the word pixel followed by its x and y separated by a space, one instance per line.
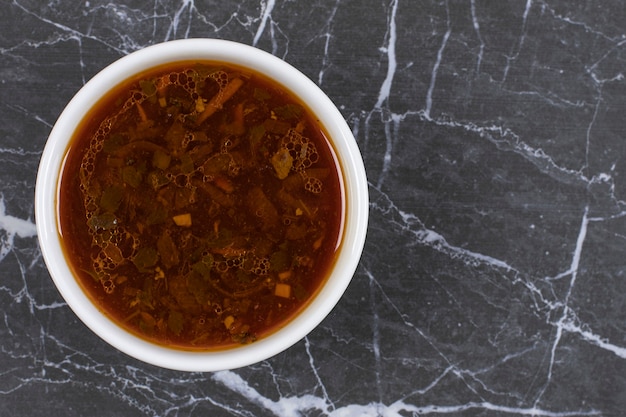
pixel 161 159
pixel 261 94
pixel 285 275
pixel 197 286
pixel 102 221
pixel 203 269
pixel 147 318
pixel 219 99
pixel 276 126
pixel 157 215
pixel 132 176
pixel 148 87
pixel 168 252
pixel 296 231
pixel 186 164
pixel 280 261
pixel 111 198
pixel 182 220
pixel 158 273
pixel 236 127
pixel 113 143
pixel 256 134
pixel 291 111
pixel 113 253
pixel 142 113
pixel 200 105
pixel 228 321
pixel 174 137
pixel 318 242
pixel 216 194
pixel 158 179
pixel 175 322
pixel 282 290
pixel 145 259
pixel 282 162
pixel 217 164
pixel 224 184
pixel 263 208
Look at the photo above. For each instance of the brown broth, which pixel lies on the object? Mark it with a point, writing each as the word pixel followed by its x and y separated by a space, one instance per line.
pixel 200 205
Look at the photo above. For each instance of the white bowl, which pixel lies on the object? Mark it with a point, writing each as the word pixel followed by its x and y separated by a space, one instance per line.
pixel 356 199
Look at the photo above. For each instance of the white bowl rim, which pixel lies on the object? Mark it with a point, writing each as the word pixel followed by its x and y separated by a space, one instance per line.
pixel 355 182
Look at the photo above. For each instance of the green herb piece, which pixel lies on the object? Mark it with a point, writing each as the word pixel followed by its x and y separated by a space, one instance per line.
pixel 276 126
pixel 132 176
pixel 113 143
pixel 280 261
pixel 179 290
pixel 148 87
pixel 161 160
pixel 157 216
pixel 290 111
pixel 261 94
pixel 256 134
pixel 175 322
pixel 200 136
pixel 243 277
pixel 217 195
pixel 203 70
pixel 262 207
pixel 146 295
pixel 217 164
pixel 197 286
pixel 186 164
pixel 300 292
pixel 168 252
pixel 183 197
pixel 202 262
pixel 111 198
pixel 146 323
pixel 145 258
pixel 296 231
pixel 202 269
pixel 104 221
pixel 174 136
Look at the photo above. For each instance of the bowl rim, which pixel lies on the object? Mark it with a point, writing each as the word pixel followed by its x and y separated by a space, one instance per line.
pixel 346 149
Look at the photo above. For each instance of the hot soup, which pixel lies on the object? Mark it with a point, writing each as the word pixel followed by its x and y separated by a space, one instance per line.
pixel 200 205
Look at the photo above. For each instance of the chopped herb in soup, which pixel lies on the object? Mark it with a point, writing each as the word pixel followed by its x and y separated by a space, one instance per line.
pixel 201 205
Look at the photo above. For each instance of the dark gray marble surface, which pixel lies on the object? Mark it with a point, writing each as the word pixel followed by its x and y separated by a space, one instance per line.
pixel 493 281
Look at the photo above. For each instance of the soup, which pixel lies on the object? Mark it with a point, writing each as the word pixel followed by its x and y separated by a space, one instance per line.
pixel 200 205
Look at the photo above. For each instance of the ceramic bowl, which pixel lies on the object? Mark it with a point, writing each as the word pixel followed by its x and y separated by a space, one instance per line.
pixel 356 204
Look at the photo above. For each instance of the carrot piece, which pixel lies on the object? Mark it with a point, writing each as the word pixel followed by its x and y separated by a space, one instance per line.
pixel 285 275
pixel 282 290
pixel 228 322
pixel 219 99
pixel 142 113
pixel 224 184
pixel 182 219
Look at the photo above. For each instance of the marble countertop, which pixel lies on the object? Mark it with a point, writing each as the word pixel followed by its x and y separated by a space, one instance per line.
pixel 493 277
